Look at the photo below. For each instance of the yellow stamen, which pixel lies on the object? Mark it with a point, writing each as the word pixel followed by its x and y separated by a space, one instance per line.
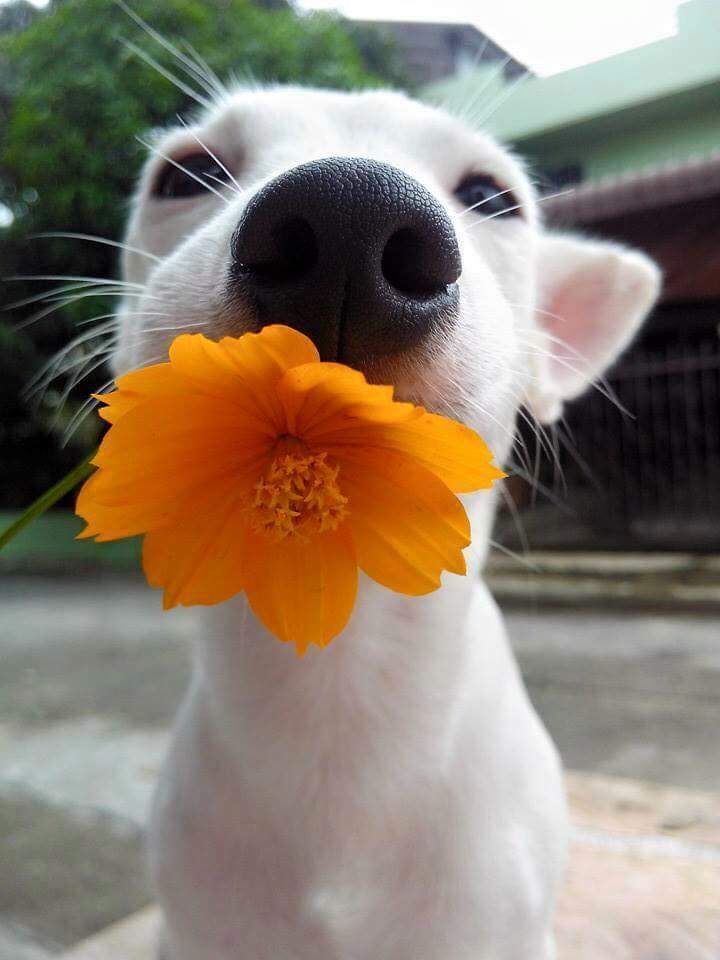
pixel 299 496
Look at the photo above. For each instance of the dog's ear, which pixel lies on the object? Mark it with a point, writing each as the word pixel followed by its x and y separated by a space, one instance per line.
pixel 593 296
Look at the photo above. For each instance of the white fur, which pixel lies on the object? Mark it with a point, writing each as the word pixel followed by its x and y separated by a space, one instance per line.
pixel 393 796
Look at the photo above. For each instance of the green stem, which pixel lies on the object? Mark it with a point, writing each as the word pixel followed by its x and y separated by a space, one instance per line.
pixel 48 499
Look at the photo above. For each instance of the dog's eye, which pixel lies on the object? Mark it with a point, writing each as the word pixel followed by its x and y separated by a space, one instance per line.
pixel 189 177
pixel 484 194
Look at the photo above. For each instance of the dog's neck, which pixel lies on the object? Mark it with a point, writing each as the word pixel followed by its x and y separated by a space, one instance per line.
pixel 394 676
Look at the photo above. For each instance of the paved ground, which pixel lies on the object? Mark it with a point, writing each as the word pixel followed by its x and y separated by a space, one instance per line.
pixel 627 694
pixel 91 673
pixel 674 582
pixel 90 677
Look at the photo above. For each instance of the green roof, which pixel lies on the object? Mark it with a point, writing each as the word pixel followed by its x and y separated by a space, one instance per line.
pixel 666 68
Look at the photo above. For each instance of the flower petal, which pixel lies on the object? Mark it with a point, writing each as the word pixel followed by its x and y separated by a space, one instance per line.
pixel 223 369
pixel 282 348
pixel 327 397
pixel 200 558
pixel 245 370
pixel 303 591
pixel 110 522
pixel 162 456
pixel 162 449
pixel 407 525
pixel 453 452
pixel 158 380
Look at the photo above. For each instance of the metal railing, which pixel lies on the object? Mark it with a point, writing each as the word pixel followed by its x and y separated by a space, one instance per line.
pixel 642 472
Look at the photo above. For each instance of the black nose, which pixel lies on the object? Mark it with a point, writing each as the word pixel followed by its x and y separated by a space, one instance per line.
pixel 354 253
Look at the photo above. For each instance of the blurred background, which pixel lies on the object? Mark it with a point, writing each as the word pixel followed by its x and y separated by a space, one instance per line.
pixel 607 549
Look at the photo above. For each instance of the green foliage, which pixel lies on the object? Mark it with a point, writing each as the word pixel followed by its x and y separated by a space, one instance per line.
pixel 379 52
pixel 16 16
pixel 73 99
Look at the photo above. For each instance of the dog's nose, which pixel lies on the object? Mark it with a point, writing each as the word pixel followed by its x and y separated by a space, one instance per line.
pixel 354 253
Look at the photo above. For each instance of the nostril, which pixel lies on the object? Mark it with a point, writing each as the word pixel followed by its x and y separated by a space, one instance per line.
pixel 407 264
pixel 292 254
pixel 352 252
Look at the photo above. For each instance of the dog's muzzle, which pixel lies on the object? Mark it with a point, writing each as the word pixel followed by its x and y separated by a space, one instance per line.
pixel 353 253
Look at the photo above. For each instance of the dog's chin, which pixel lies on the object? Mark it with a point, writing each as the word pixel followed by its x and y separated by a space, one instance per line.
pixel 410 375
pixel 421 375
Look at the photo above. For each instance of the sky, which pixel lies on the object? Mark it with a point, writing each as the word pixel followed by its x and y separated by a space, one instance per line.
pixel 547 35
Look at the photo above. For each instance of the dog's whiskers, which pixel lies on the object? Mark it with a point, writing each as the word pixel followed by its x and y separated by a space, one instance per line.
pixel 481 203
pixel 545 443
pixel 542 445
pixel 598 383
pixel 83 295
pixel 517 206
pixel 54 234
pixel 218 161
pixel 512 509
pixel 466 111
pixel 538 486
pixel 72 278
pixel 82 412
pixel 126 313
pixel 87 367
pixel 62 293
pixel 570 446
pixel 521 558
pixel 474 407
pixel 203 183
pixel 502 98
pixel 61 303
pixel 197 69
pixel 171 329
pixel 54 295
pixel 63 361
pixel 56 366
pixel 91 403
pixel 183 87
pixel 205 70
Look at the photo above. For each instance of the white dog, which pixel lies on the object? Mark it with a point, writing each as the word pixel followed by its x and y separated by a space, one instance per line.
pixel 394 796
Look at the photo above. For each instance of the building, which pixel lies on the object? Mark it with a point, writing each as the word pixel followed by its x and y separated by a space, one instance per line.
pixel 635 142
pixel 432 51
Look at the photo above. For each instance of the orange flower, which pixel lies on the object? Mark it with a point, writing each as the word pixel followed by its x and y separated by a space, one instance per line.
pixel 250 465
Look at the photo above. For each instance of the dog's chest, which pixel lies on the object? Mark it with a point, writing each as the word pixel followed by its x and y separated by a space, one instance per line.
pixel 327 883
pixel 369 806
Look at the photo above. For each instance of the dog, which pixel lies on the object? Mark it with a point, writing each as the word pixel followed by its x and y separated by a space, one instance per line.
pixel 395 795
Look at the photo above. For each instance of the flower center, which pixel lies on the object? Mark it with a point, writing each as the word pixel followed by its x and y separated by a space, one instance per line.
pixel 299 496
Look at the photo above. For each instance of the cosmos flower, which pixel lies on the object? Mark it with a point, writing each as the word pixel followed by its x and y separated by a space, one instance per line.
pixel 250 465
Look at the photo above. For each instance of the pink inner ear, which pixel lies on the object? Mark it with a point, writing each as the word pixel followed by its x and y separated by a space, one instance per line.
pixel 596 310
pixel 580 314
pixel 596 295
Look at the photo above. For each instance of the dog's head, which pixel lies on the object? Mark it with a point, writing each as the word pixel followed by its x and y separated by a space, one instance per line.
pixel 401 241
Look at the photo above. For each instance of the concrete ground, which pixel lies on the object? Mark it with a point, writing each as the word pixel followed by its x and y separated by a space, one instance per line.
pixel 91 674
pixel 687 582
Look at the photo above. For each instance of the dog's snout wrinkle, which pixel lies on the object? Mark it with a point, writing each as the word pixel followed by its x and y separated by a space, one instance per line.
pixel 355 253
